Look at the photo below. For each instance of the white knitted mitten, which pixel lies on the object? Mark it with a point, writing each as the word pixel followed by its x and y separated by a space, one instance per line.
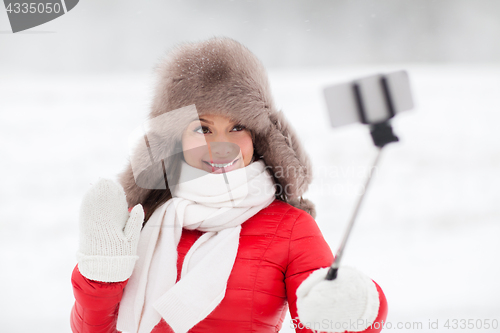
pixel 348 303
pixel 109 235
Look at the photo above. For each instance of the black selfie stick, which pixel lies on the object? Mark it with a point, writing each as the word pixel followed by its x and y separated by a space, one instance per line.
pixel 382 134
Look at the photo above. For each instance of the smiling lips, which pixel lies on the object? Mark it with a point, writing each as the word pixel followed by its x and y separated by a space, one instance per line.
pixel 221 165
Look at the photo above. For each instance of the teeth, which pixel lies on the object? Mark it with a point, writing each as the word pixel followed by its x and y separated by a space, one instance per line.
pixel 221 165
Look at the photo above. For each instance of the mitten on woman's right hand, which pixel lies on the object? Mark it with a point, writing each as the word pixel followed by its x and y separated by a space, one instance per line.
pixel 109 235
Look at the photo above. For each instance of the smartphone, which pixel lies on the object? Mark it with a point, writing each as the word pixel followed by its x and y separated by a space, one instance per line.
pixel 369 100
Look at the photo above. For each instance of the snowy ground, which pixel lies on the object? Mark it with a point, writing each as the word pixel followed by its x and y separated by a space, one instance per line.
pixel 427 233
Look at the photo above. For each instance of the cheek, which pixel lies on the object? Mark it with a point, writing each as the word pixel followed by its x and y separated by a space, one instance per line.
pixel 189 147
pixel 192 140
pixel 246 146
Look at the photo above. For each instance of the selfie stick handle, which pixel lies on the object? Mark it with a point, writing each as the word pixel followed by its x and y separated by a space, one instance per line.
pixel 332 273
pixel 381 134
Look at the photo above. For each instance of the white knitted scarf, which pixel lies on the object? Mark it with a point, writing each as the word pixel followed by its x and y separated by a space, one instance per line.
pixel 214 203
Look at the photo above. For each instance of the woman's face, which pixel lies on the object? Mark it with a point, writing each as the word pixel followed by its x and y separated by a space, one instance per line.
pixel 216 144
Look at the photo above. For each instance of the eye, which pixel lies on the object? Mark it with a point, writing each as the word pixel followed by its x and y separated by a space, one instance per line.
pixel 204 130
pixel 239 128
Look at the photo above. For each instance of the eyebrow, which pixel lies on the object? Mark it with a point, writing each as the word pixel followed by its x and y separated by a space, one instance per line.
pixel 207 121
pixel 233 122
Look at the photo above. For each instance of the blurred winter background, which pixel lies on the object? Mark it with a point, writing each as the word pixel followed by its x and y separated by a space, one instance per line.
pixel 73 89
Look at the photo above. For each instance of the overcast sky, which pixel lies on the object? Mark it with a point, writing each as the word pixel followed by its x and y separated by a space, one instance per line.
pixel 121 36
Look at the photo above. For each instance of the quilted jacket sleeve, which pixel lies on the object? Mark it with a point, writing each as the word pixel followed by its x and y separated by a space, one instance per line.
pixel 96 306
pixel 308 251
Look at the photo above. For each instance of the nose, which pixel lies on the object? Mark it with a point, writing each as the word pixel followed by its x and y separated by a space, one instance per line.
pixel 226 150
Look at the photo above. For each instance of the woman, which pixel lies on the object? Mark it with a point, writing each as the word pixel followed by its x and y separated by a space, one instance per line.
pixel 227 242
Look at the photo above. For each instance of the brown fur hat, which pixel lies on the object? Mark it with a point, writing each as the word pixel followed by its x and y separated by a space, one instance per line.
pixel 222 77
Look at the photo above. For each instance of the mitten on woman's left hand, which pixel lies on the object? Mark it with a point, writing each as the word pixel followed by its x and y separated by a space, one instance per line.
pixel 348 303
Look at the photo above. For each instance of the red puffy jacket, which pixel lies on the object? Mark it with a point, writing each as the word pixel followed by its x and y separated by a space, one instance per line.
pixel 279 247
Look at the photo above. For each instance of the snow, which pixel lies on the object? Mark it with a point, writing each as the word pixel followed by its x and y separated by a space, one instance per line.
pixel 427 232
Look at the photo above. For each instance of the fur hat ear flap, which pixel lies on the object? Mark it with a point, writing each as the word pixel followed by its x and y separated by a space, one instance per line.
pixel 134 193
pixel 304 204
pixel 285 155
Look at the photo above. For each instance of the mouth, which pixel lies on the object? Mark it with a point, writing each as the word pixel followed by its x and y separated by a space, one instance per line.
pixel 221 165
